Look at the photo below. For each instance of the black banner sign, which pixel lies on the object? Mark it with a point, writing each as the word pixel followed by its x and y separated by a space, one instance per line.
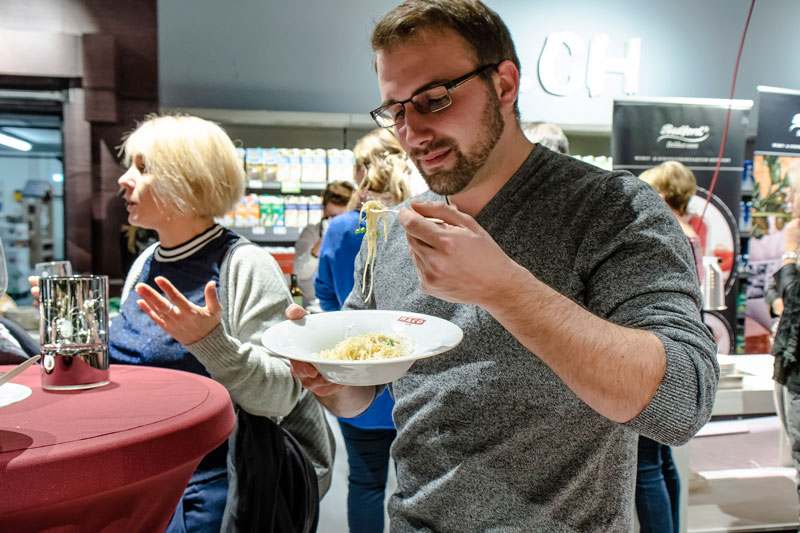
pixel 648 131
pixel 778 121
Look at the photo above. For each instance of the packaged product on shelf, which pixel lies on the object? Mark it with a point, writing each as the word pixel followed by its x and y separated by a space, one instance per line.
pixel 238 212
pixel 241 153
pixel 273 211
pixel 254 162
pixel 264 210
pixel 271 164
pixel 252 210
pixel 295 166
pixel 314 209
pixel 291 211
pixel 283 164
pixel 228 219
pixel 333 164
pixel 745 218
pixel 306 165
pixel 348 162
pixel 278 211
pixel 320 165
pixel 302 211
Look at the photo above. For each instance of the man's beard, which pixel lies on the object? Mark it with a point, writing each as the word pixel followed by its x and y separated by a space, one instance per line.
pixel 447 182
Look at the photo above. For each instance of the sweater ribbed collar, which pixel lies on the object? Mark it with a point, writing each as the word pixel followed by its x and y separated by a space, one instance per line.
pixel 188 248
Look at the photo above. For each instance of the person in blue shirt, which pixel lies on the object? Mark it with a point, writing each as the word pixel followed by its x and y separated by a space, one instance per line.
pixel 381 171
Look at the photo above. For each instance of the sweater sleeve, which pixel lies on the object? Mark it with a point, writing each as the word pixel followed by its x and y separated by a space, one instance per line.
pixel 325 284
pixel 255 297
pixel 638 270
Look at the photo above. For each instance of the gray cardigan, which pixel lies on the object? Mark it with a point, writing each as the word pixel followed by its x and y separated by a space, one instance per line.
pixel 254 296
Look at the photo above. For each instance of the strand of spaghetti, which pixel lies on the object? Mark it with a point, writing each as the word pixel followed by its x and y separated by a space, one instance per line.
pixel 371 212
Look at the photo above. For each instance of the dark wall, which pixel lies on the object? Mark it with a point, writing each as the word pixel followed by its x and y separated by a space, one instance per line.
pixel 107 52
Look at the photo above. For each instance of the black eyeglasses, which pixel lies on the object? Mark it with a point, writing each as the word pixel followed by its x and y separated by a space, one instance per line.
pixel 428 100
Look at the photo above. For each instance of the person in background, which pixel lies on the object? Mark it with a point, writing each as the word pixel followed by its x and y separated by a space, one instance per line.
pixel 16 344
pixel 783 297
pixel 574 287
pixel 381 171
pixel 548 135
pixel 306 250
pixel 658 486
pixel 676 184
pixel 217 293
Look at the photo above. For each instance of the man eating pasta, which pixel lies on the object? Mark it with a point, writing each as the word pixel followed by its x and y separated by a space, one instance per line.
pixel 574 288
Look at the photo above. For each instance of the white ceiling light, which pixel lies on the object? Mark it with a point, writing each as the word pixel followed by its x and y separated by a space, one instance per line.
pixel 13 142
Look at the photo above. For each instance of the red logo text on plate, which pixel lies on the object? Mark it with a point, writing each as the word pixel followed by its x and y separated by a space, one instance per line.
pixel 412 320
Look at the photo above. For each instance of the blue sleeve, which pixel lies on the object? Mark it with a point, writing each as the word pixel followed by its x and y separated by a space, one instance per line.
pixel 337 255
pixel 324 284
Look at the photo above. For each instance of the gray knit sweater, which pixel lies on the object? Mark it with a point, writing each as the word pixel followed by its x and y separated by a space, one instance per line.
pixel 488 437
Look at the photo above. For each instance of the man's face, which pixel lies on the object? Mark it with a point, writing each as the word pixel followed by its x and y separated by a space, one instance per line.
pixel 450 146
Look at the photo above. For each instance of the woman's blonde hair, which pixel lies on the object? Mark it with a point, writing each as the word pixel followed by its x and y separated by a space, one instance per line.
pixel 193 162
pixel 674 182
pixel 385 167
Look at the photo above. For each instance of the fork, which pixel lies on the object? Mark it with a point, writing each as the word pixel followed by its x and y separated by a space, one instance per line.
pixel 17 370
pixel 396 210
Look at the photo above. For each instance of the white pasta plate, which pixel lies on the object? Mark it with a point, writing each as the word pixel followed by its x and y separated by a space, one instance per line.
pixel 303 340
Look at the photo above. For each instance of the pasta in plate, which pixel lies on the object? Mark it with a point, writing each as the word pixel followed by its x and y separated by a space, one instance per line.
pixel 367 347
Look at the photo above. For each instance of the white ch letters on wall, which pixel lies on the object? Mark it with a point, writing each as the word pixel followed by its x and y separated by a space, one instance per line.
pixel 564 54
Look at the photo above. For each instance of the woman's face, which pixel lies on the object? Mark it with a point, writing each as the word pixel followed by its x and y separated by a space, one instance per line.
pixel 333 210
pixel 144 210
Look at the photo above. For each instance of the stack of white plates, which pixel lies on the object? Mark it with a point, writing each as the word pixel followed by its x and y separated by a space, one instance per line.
pixel 727 365
pixel 728 376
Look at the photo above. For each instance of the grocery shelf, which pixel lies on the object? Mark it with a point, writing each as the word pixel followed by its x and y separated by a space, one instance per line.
pixel 283 187
pixel 269 235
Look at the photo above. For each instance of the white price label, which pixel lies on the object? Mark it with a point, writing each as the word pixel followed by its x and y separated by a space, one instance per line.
pixel 290 187
pixel 255 184
pixel 259 230
pixel 279 230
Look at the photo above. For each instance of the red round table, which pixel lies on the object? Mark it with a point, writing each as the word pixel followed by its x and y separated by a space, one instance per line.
pixel 115 458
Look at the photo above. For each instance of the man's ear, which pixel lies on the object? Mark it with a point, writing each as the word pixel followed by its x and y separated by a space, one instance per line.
pixel 506 84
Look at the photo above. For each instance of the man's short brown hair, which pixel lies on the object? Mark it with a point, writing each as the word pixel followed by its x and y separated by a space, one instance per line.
pixel 481 27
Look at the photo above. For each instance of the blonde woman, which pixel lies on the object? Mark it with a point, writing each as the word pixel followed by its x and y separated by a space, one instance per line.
pixel 381 172
pixel 676 184
pixel 217 294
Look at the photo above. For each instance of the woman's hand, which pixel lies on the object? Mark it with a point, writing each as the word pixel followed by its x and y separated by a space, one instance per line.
pixel 186 322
